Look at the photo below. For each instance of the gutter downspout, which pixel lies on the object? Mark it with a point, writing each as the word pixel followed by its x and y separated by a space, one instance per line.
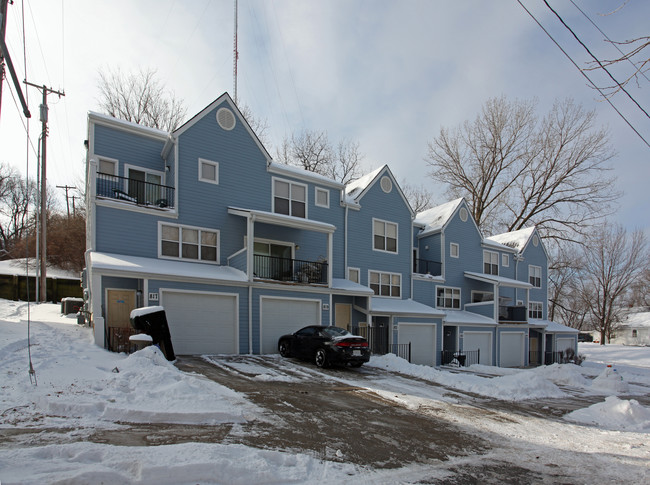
pixel 250 231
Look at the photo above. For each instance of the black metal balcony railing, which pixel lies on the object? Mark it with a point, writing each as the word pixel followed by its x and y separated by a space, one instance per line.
pixel 465 358
pixel 290 270
pixel 512 313
pixel 424 266
pixel 136 191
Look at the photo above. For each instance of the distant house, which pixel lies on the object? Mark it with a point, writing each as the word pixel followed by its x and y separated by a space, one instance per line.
pixel 634 330
pixel 240 249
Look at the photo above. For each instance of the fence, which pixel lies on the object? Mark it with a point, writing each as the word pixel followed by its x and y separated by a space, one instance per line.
pixel 285 269
pixel 377 338
pixel 118 339
pixel 14 287
pixel 460 359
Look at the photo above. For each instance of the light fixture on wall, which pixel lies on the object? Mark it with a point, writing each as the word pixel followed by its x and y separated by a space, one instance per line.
pixel 167 168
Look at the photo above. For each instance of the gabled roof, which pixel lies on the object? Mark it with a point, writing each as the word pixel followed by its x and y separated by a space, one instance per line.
pixel 355 190
pixel 514 239
pixel 224 98
pixel 437 218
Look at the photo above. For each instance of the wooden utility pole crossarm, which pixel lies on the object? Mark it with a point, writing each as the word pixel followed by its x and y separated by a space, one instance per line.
pixel 43 219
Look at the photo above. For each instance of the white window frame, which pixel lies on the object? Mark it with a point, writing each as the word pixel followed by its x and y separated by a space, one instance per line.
pixel 505 260
pixel 491 258
pixel 203 161
pixel 354 270
pixel 390 285
pixel 532 275
pixel 385 237
pixel 320 190
pixel 291 183
pixel 113 161
pixel 180 257
pixel 454 248
pixel 535 308
pixel 454 295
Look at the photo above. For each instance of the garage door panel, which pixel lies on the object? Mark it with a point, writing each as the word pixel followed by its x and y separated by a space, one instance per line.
pixel 562 344
pixel 479 341
pixel 282 316
pixel 423 342
pixel 201 323
pixel 511 353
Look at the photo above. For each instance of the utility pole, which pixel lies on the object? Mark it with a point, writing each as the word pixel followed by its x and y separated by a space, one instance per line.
pixel 43 218
pixel 67 202
pixel 3 29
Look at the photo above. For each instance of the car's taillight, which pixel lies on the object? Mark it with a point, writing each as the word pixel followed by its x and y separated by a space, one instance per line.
pixel 351 344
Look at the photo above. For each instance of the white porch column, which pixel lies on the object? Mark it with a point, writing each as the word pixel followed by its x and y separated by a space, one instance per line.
pixel 330 257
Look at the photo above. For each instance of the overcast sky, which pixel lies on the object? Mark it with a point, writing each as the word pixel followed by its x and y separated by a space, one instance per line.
pixel 388 74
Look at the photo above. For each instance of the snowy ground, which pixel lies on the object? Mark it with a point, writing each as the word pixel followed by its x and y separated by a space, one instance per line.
pixel 81 387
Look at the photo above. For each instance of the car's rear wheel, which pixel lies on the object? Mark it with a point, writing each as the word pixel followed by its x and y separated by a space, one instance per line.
pixel 283 348
pixel 321 358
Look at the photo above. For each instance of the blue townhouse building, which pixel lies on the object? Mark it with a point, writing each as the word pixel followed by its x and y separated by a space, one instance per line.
pixel 240 250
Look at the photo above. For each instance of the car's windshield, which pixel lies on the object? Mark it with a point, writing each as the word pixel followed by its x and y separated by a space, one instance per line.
pixel 335 332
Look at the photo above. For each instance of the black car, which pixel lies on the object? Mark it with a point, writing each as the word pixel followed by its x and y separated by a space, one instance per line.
pixel 325 346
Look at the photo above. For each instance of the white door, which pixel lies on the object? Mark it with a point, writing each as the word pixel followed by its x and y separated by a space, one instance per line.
pixel 279 316
pixel 201 323
pixel 479 341
pixel 423 342
pixel 564 343
pixel 511 349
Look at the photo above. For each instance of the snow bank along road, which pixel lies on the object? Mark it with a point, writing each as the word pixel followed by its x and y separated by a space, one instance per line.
pixel 382 419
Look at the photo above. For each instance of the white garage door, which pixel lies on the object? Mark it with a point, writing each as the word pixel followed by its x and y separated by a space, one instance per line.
pixel 564 343
pixel 511 349
pixel 201 323
pixel 479 341
pixel 279 316
pixel 423 342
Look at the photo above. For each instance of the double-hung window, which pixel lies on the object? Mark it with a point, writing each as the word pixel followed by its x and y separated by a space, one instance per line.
pixel 192 243
pixel 385 284
pixel 491 263
pixel 535 276
pixel 384 236
pixel 535 309
pixel 448 297
pixel 289 198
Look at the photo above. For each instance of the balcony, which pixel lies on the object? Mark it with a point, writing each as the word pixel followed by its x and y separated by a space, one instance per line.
pixel 424 266
pixel 290 270
pixel 512 314
pixel 135 191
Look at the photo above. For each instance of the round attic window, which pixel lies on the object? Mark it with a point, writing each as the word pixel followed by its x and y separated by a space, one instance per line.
pixel 535 240
pixel 226 118
pixel 386 184
pixel 463 214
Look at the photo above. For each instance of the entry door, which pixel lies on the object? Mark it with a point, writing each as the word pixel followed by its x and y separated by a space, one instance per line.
pixel 343 315
pixel 119 306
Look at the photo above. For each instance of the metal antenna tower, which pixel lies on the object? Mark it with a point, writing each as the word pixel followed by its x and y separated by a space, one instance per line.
pixel 235 56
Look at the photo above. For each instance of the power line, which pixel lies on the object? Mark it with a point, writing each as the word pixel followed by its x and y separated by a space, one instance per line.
pixel 621 87
pixel 583 73
pixel 610 41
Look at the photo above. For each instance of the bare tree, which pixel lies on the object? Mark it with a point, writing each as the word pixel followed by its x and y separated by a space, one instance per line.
pixel 612 262
pixel 259 126
pixel 141 98
pixel 313 151
pixel 420 198
pixel 564 302
pixel 517 170
pixel 17 198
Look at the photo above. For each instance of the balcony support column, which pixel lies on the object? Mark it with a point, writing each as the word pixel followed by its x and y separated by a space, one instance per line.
pixel 330 257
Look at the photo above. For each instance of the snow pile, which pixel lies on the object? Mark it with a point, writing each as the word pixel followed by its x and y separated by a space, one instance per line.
pixel 76 379
pixel 610 381
pixel 516 386
pixel 563 375
pixel 614 414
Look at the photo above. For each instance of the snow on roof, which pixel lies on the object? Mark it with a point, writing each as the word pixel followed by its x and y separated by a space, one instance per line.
pixel 304 174
pixel 467 318
pixel 356 187
pixel 515 239
pixel 553 327
pixel 404 307
pixel 499 280
pixel 435 218
pixel 17 267
pixel 638 319
pixel 160 267
pixel 350 286
pixel 127 124
pixel 138 312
